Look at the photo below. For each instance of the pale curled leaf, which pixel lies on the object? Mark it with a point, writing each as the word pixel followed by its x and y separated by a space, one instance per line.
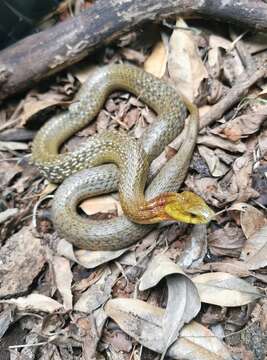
pixel 255 250
pixel 216 167
pixel 224 289
pixel 101 204
pixel 63 278
pixel 86 258
pixel 251 220
pixel 143 322
pixel 35 302
pixel 183 300
pixel 185 66
pixel 157 61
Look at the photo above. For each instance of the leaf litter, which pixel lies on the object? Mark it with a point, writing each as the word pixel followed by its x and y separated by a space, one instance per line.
pixel 117 303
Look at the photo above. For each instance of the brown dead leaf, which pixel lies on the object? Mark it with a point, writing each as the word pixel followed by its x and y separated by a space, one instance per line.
pixel 216 167
pixel 7 172
pixel 157 61
pixel 227 241
pixel 35 302
pixel 210 190
pixel 241 182
pixel 262 140
pixel 88 259
pixel 63 278
pixel 223 289
pixel 255 250
pixel 185 66
pixel 230 266
pixel 99 292
pixel 101 204
pixel 183 300
pixel 243 125
pixel 35 105
pixel 143 322
pixel 217 142
pixel 251 220
pixel 22 258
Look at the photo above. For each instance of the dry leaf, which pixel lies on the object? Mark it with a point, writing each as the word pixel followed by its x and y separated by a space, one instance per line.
pixel 255 250
pixel 157 60
pixel 251 220
pixel 224 289
pixel 217 142
pixel 7 214
pixel 195 247
pixel 86 258
pixel 241 182
pixel 63 278
pixel 13 146
pixel 143 322
pixel 243 125
pixel 183 300
pixel 35 105
pixel 99 292
pixel 216 167
pixel 231 266
pixel 22 258
pixel 263 144
pixel 35 302
pixel 7 172
pixel 227 241
pixel 185 66
pixel 84 71
pixel 101 204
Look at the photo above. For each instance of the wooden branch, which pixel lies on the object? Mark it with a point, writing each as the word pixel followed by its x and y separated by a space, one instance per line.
pixel 43 54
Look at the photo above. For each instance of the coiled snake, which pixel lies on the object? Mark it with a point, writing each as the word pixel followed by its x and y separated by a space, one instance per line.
pixel 131 156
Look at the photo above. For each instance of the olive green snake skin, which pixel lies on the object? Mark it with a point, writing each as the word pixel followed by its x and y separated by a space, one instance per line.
pixel 90 180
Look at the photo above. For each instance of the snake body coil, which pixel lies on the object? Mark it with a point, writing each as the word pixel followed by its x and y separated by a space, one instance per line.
pixel 133 157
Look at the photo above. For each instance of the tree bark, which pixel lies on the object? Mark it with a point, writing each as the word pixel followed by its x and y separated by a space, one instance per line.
pixel 43 54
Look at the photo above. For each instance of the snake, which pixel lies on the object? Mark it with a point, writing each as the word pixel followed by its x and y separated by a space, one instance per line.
pixel 114 160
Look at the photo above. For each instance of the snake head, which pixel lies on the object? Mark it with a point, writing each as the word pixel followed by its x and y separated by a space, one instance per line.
pixel 188 207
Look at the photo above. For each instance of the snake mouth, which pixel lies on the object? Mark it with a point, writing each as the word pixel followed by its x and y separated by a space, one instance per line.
pixel 186 207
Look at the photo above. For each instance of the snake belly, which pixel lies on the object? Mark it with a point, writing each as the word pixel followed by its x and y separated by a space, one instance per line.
pixel 119 232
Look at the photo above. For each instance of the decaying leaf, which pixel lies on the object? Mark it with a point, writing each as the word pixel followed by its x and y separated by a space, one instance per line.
pixel 195 247
pixel 217 142
pixel 34 105
pixel 224 289
pixel 101 204
pixel 88 259
pixel 99 292
pixel 251 220
pixel 157 61
pixel 35 302
pixel 243 125
pixel 13 146
pixel 216 167
pixel 227 241
pixel 241 182
pixel 63 278
pixel 255 250
pixel 185 66
pixel 183 300
pixel 22 258
pixel 8 171
pixel 143 322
